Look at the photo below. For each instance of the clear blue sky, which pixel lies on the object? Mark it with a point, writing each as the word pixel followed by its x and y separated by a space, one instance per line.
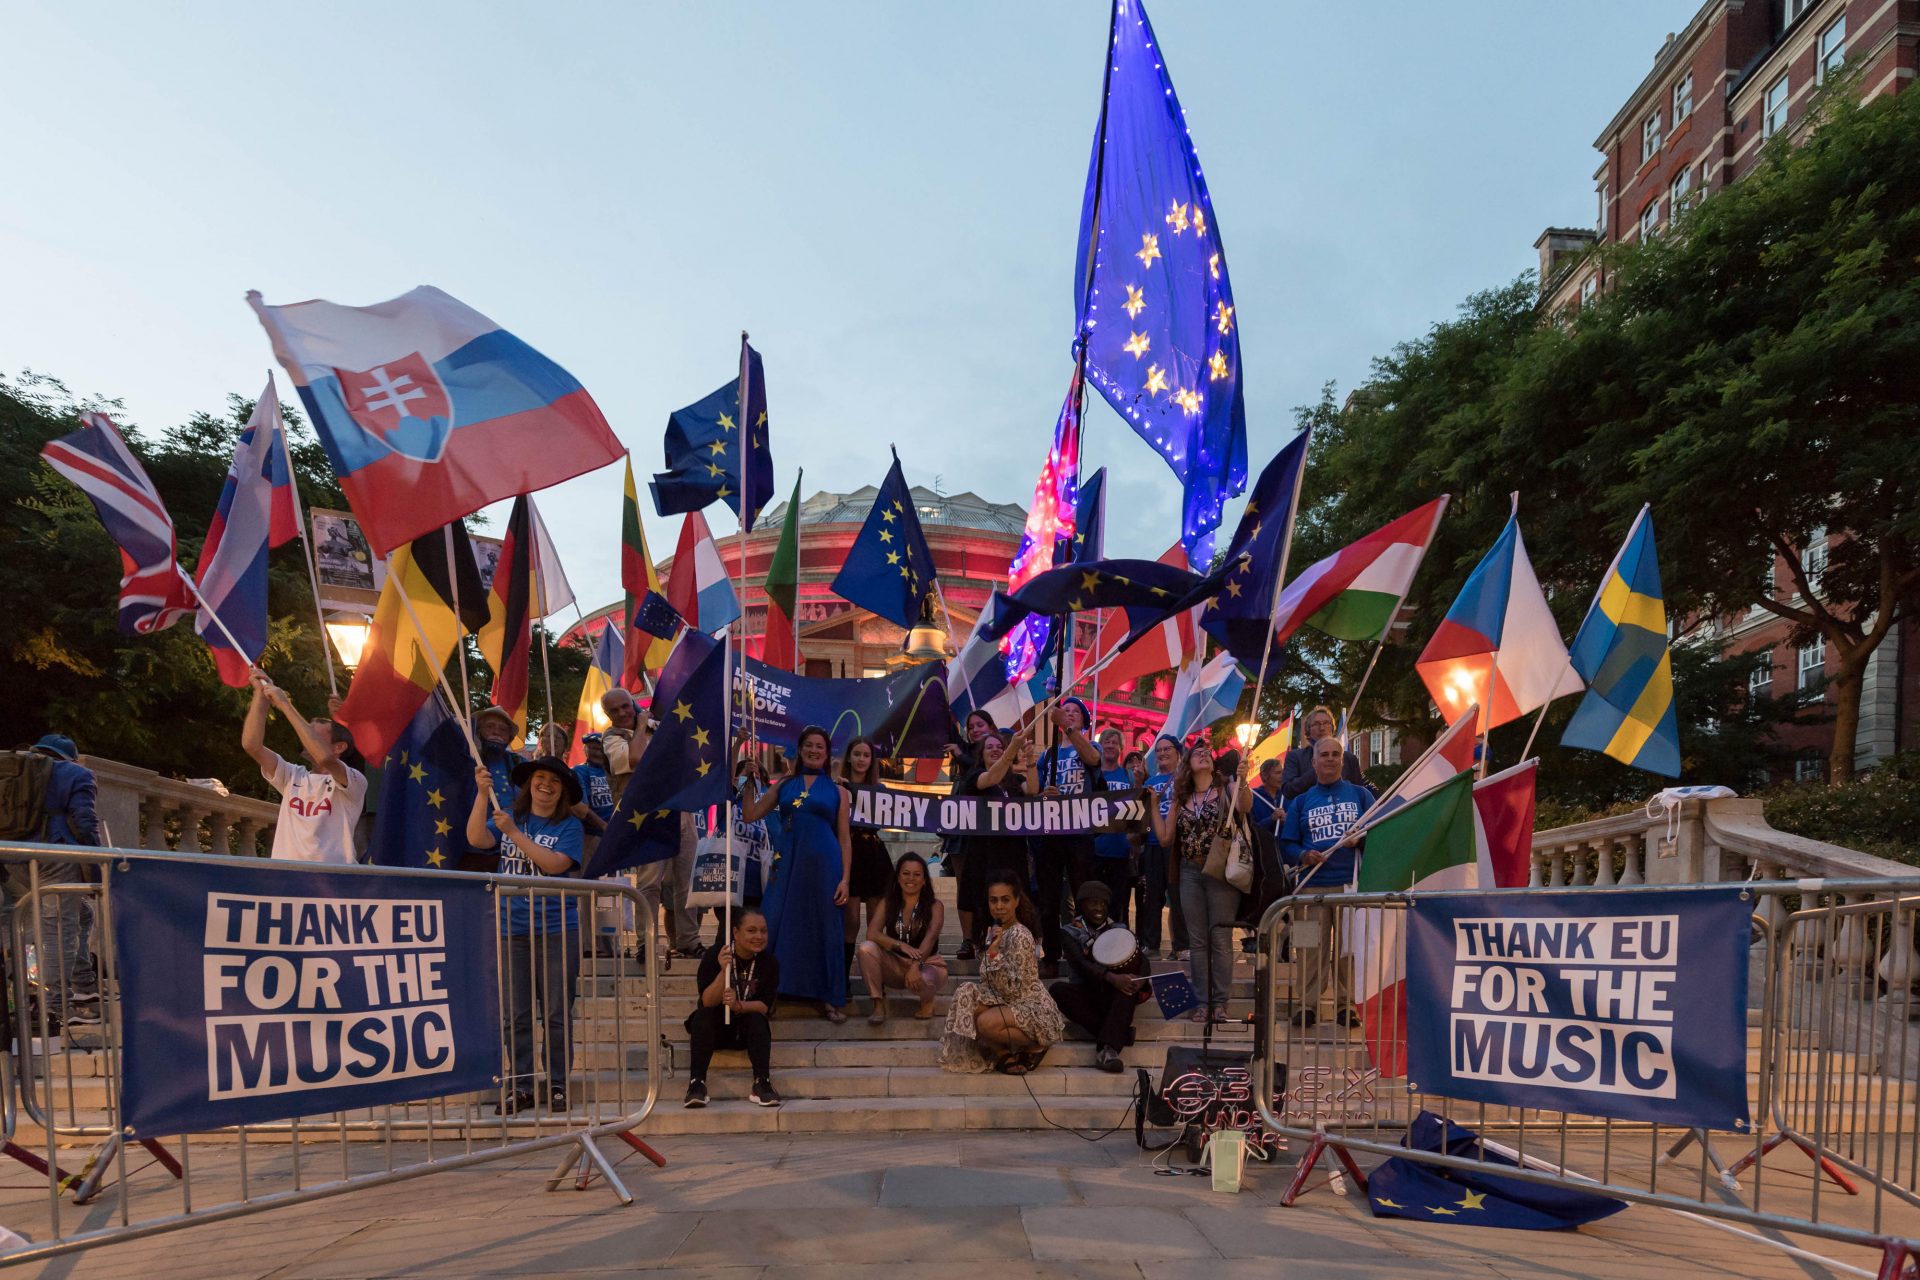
pixel 885 194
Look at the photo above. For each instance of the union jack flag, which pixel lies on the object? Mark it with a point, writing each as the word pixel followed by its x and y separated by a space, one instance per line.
pixel 155 592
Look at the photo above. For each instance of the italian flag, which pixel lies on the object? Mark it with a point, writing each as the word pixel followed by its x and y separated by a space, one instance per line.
pixel 1354 593
pixel 1460 835
pixel 780 645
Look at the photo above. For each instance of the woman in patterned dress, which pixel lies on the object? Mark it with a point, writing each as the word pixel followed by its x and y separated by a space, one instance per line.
pixel 1006 1021
pixel 803 903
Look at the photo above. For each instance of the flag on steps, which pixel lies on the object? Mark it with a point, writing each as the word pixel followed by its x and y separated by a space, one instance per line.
pixel 637 578
pixel 256 514
pixel 698 588
pixel 1403 1188
pixel 155 591
pixel 603 675
pixel 1240 617
pixel 780 647
pixel 1498 647
pixel 426 794
pixel 429 411
pixel 506 638
pixel 889 569
pixel 1621 652
pixel 1354 593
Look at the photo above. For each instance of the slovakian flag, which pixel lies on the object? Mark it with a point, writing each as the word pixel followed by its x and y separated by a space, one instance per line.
pixel 1167 645
pixel 698 588
pixel 603 675
pixel 780 647
pixel 429 410
pixel 1354 593
pixel 1459 835
pixel 1051 520
pixel 1498 647
pixel 415 630
pixel 637 577
pixel 256 513
pixel 155 591
pixel 506 638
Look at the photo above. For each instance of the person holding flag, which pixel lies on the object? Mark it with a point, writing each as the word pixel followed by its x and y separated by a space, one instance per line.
pixel 320 801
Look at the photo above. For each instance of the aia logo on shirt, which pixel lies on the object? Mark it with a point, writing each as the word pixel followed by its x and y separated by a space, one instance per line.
pixel 311 808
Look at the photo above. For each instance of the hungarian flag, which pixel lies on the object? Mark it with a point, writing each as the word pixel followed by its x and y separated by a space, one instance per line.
pixel 781 647
pixel 1460 835
pixel 1171 644
pixel 415 630
pixel 1354 593
pixel 637 577
pixel 609 660
pixel 506 638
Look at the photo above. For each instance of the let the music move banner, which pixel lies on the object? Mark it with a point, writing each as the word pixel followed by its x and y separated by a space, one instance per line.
pixel 1095 814
pixel 263 992
pixel 1625 1003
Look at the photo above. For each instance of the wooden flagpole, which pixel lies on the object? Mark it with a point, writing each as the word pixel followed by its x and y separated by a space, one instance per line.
pixel 306 543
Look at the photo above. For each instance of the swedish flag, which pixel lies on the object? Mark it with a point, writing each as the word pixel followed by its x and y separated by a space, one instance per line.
pixel 1621 652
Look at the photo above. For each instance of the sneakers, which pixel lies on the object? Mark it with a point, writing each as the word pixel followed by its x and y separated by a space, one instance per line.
pixel 1305 1018
pixel 515 1103
pixel 1108 1061
pixel 763 1094
pixel 1348 1018
pixel 696 1095
pixel 557 1101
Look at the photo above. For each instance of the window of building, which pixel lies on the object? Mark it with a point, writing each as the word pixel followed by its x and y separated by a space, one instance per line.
pixel 1377 745
pixel 1797 7
pixel 1680 193
pixel 1589 290
pixel 1650 138
pixel 1833 50
pixel 1606 202
pixel 1813 663
pixel 1760 679
pixel 1650 218
pixel 1774 118
pixel 1813 557
pixel 1809 766
pixel 1683 99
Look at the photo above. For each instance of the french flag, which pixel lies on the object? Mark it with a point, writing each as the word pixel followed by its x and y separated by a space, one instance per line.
pixel 429 410
pixel 256 513
pixel 698 587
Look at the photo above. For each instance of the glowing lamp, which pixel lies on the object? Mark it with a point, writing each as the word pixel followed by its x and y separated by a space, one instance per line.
pixel 1246 734
pixel 348 632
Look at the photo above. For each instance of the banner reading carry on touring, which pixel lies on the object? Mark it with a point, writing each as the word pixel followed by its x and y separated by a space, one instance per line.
pixel 271 991
pixel 992 816
pixel 1625 1003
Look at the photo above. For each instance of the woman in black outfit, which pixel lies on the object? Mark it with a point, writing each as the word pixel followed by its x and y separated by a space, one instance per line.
pixel 962 759
pixel 1001 772
pixel 872 864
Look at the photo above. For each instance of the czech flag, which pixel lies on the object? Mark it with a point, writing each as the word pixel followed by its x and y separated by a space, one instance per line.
pixel 1498 647
pixel 256 513
pixel 430 411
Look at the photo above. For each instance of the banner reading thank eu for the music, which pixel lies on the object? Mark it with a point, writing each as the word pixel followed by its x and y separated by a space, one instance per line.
pixel 264 991
pixel 991 816
pixel 1624 1003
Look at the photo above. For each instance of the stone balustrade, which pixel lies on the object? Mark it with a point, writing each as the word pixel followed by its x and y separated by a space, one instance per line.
pixel 143 810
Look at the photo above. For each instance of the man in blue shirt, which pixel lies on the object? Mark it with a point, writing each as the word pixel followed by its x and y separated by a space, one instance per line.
pixel 1112 855
pixel 1269 809
pixel 1314 839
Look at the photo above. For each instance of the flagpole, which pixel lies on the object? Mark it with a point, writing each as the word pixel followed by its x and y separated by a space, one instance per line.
pixel 459 627
pixel 727 665
pixel 306 544
pixel 1279 580
pixel 546 666
pixel 1361 823
pixel 798 477
pixel 1400 603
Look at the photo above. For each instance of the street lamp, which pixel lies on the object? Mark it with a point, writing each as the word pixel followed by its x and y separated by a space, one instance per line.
pixel 1247 733
pixel 349 632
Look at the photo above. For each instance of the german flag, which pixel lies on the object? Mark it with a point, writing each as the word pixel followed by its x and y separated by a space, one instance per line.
pixel 506 638
pixel 637 575
pixel 408 646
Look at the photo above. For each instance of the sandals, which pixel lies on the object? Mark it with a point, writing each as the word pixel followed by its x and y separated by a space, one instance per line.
pixel 1019 1062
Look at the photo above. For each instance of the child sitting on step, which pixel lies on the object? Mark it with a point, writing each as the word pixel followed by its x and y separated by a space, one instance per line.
pixel 737 986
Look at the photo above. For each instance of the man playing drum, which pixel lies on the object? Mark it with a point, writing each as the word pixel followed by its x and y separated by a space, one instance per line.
pixel 1109 975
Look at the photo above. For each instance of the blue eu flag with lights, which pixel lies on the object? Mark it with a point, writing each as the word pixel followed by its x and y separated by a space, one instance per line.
pixel 703 450
pixel 426 793
pixel 685 767
pixel 1240 617
pixel 1155 309
pixel 889 568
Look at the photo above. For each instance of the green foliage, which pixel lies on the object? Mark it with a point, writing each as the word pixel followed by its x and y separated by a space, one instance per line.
pixel 1878 814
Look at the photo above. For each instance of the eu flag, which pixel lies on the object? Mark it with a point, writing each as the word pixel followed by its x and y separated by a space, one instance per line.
pixel 1621 652
pixel 658 618
pixel 889 568
pixel 1149 591
pixel 1155 308
pixel 426 794
pixel 1089 541
pixel 685 767
pixel 703 449
pixel 1403 1188
pixel 1241 616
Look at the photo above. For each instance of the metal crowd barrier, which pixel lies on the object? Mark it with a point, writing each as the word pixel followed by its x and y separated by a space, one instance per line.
pixel 60 1070
pixel 1833 1072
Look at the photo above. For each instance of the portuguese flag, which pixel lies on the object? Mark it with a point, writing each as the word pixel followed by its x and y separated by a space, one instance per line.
pixel 1460 835
pixel 780 647
pixel 1354 593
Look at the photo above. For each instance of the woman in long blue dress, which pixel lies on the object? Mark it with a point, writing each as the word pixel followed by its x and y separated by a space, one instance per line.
pixel 803 903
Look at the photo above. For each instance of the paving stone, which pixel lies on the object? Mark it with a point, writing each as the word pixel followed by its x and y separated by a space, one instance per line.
pixel 901 1237
pixel 1139 1233
pixel 932 1185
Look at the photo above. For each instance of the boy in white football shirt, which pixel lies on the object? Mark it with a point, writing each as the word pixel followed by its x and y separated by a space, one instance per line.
pixel 320 801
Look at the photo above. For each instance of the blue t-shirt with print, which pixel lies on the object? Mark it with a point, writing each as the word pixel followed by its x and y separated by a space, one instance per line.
pixel 596 789
pixel 556 910
pixel 1316 820
pixel 1114 844
pixel 1162 784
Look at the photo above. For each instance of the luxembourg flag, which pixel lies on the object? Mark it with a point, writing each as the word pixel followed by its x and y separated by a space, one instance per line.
pixel 429 410
pixel 697 586
pixel 1354 593
pixel 1498 647
pixel 256 513
pixel 1460 835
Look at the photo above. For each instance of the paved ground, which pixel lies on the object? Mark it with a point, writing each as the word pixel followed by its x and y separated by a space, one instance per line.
pixel 845 1207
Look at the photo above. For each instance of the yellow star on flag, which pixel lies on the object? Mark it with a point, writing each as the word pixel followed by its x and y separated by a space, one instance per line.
pixel 1444 1213
pixel 1149 248
pixel 897 506
pixel 403 758
pixel 1223 317
pixel 1178 218
pixel 702 768
pixel 436 857
pixel 1089 581
pixel 1217 366
pixel 661 813
pixel 893 557
pixel 1075 605
pixel 761 421
pixel 726 423
pixel 886 535
pixel 1156 379
pixel 635 820
pixel 1137 345
pixel 1474 1200
pixel 441 826
pixel 435 799
pixel 1233 589
pixel 1134 304
pixel 1161 591
pixel 682 712
pixel 718 446
pixel 1188 400
pixel 1385 1203
pixel 700 737
pixel 1200 223
pixel 886 515
pixel 1213 266
pixel 417 774
pixel 906 573
pixel 724 493
pixel 713 470
pixel 1252 506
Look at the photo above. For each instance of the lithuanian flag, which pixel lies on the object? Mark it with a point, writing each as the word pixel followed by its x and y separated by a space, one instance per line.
pixel 415 630
pixel 506 638
pixel 637 575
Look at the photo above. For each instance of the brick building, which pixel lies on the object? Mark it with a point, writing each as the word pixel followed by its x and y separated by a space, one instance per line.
pixel 1743 72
